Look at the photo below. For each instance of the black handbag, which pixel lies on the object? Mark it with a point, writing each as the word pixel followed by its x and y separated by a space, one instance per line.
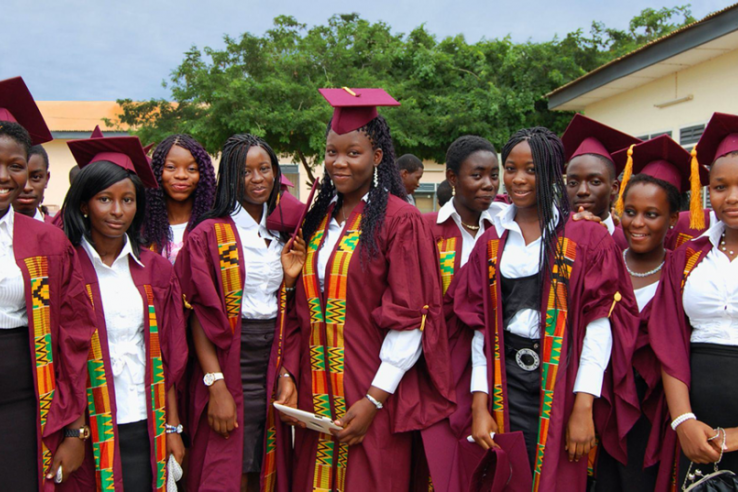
pixel 717 481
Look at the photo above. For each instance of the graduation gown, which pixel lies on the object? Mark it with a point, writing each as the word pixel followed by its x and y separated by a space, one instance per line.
pixel 333 341
pixel 60 323
pixel 595 270
pixel 669 335
pixel 166 356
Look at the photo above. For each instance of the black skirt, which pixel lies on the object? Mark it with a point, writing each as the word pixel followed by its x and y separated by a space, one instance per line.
pixel 135 455
pixel 256 346
pixel 18 413
pixel 713 396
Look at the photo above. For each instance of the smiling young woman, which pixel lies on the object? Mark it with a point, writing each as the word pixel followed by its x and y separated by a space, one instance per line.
pixel 367 308
pixel 534 265
pixel 139 349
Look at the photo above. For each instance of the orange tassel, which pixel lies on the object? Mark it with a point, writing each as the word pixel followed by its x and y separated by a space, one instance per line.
pixel 627 173
pixel 696 213
pixel 425 315
pixel 616 299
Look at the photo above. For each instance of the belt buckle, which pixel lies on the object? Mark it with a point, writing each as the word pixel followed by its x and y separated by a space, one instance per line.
pixel 527 359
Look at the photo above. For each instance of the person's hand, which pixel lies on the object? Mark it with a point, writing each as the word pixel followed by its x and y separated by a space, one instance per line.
pixel 580 433
pixel 615 216
pixel 176 447
pixel 356 422
pixel 293 259
pixel 221 409
pixel 70 454
pixel 483 424
pixel 588 216
pixel 731 440
pixel 693 438
pixel 287 396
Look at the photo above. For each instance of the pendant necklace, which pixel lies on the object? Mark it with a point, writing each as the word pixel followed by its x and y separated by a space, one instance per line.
pixel 723 247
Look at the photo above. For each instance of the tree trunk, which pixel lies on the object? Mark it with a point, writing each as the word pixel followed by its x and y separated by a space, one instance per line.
pixel 311 177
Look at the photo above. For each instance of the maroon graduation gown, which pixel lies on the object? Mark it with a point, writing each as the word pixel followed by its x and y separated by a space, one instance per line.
pixel 669 334
pixel 397 290
pixel 161 300
pixel 595 276
pixel 58 307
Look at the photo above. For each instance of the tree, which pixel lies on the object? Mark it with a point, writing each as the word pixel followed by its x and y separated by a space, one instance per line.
pixel 268 85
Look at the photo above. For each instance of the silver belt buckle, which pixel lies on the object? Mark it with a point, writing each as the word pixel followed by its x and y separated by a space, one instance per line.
pixel 527 359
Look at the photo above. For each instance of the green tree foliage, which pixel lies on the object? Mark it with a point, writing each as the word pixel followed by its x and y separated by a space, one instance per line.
pixel 268 85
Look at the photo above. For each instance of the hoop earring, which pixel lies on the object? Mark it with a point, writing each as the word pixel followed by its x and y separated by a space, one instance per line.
pixel 376 178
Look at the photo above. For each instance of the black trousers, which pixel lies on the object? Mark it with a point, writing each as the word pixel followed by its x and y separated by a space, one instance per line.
pixel 135 456
pixel 18 410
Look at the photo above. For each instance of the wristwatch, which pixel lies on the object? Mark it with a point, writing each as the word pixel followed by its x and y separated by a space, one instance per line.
pixel 173 429
pixel 81 433
pixel 210 378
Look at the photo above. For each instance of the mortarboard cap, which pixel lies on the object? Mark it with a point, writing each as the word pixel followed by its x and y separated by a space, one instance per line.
pixel 126 152
pixel 17 105
pixel 506 468
pixel 719 138
pixel 97 133
pixel 587 136
pixel 285 183
pixel 354 108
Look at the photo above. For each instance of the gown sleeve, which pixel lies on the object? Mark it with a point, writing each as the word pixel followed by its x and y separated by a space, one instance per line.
pixel 174 337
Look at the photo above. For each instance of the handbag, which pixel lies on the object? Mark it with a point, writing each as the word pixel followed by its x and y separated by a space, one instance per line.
pixel 717 481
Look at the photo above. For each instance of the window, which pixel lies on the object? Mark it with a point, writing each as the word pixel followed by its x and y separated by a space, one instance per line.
pixel 425 197
pixel 690 135
pixel 653 135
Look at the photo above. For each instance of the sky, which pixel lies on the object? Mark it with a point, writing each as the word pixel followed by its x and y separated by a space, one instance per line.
pixel 107 50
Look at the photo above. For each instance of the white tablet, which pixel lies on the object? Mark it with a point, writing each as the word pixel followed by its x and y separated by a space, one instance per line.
pixel 313 422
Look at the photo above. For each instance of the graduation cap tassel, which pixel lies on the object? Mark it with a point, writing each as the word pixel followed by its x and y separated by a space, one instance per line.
pixel 696 214
pixel 627 173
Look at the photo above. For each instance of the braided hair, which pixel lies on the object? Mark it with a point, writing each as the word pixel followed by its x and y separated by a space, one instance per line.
pixel 16 132
pixel 156 228
pixel 548 156
pixel 388 179
pixel 231 190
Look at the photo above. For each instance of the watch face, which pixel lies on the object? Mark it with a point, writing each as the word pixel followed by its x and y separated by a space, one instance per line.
pixel 85 432
pixel 209 379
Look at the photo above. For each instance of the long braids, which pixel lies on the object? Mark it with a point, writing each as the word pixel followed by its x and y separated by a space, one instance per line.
pixel 388 182
pixel 156 228
pixel 230 190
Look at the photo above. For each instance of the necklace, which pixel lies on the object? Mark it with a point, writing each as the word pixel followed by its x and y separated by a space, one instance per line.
pixel 723 247
pixel 470 227
pixel 640 275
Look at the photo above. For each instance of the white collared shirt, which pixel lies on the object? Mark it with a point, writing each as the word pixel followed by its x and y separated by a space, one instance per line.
pixel 263 265
pixel 124 321
pixel 12 291
pixel 520 260
pixel 467 240
pixel 400 349
pixel 610 224
pixel 711 295
pixel 39 215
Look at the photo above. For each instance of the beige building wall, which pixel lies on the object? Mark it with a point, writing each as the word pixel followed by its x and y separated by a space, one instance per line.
pixel 712 85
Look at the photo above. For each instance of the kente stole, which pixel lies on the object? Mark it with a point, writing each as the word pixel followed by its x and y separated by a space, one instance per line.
pixel 447 260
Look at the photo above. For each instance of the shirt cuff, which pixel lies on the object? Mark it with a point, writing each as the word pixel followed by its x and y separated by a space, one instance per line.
pixel 388 377
pixel 479 379
pixel 589 380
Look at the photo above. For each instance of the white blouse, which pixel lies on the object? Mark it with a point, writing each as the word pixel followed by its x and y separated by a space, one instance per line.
pixel 520 260
pixel 12 291
pixel 467 240
pixel 711 295
pixel 263 266
pixel 124 322
pixel 175 245
pixel 400 349
pixel 645 294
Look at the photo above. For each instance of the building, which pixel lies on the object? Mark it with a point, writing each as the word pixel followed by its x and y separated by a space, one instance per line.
pixel 670 86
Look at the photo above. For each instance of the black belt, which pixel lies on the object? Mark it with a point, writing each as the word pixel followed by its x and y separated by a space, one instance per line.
pixel 524 350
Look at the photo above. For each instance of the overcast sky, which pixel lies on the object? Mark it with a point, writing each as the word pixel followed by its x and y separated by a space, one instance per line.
pixel 106 50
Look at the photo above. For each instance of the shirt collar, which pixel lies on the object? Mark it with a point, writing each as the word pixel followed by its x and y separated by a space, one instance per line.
pixel 449 211
pixel 7 221
pixel 244 220
pixel 127 250
pixel 39 215
pixel 335 199
pixel 610 224
pixel 715 233
pixel 505 219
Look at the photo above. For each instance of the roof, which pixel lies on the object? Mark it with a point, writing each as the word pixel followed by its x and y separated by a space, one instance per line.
pixel 75 117
pixel 712 36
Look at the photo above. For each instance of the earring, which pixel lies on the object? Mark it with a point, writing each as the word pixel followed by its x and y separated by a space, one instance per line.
pixel 85 216
pixel 453 191
pixel 376 179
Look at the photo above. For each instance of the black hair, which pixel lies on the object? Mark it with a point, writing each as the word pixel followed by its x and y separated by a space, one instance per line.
pixel 230 190
pixel 73 172
pixel 18 133
pixel 156 226
pixel 444 192
pixel 604 160
pixel 389 181
pixel 409 163
pixel 93 179
pixel 676 200
pixel 463 147
pixel 548 156
pixel 39 150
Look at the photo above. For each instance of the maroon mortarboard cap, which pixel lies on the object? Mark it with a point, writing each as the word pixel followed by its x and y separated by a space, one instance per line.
pixel 505 468
pixel 664 159
pixel 719 138
pixel 17 105
pixel 286 214
pixel 126 152
pixel 354 108
pixel 284 182
pixel 97 133
pixel 587 136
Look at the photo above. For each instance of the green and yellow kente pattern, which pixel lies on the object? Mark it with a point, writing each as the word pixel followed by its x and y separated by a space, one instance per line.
pixel 232 282
pixel 327 349
pixel 101 413
pixel 447 260
pixel 38 269
pixel 158 395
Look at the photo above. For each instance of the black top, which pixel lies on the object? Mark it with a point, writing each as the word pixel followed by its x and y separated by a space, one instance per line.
pixel 519 294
